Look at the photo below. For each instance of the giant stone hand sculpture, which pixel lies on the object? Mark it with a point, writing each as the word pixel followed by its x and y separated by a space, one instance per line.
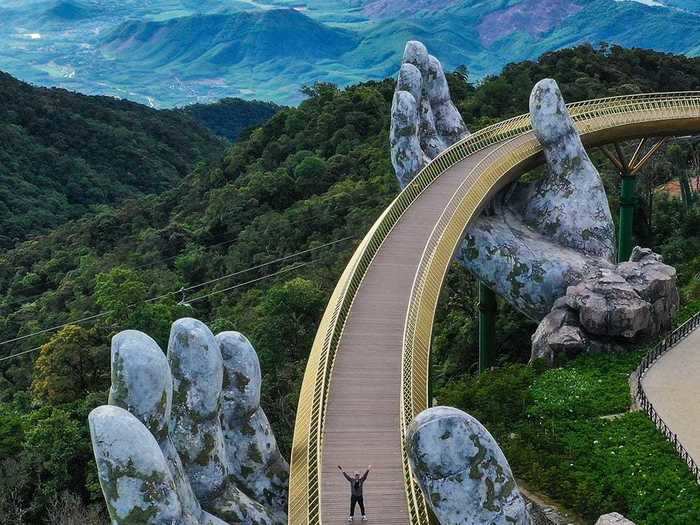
pixel 184 440
pixel 536 239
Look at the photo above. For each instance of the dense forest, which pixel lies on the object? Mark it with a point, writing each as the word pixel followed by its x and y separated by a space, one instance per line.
pixel 254 241
pixel 229 117
pixel 63 153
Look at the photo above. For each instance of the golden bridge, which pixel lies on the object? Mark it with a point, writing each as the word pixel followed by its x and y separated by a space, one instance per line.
pixel 367 374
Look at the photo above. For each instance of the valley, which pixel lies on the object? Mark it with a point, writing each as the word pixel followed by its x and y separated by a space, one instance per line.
pixel 144 51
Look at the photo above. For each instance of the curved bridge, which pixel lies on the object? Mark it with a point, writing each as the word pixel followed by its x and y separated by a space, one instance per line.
pixel 367 374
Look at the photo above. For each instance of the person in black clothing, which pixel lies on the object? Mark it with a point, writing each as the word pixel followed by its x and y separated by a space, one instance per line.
pixel 356 483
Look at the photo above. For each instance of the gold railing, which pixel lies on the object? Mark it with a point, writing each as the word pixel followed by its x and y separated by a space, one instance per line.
pixel 488 176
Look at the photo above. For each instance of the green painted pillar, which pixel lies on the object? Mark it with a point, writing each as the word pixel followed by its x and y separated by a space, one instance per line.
pixel 624 237
pixel 487 327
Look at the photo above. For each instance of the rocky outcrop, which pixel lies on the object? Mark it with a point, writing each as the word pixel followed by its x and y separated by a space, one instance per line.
pixel 613 519
pixel 632 301
pixel 462 471
pixel 172 428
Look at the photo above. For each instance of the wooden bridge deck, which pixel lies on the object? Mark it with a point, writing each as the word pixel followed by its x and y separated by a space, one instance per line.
pixel 362 425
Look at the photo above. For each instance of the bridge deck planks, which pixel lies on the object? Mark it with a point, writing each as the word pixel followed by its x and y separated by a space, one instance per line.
pixel 362 421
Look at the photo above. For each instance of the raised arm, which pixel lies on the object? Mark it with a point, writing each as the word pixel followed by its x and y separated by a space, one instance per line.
pixel 366 473
pixel 344 474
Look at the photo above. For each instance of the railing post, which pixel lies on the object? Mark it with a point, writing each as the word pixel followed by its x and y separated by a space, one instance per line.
pixel 487 327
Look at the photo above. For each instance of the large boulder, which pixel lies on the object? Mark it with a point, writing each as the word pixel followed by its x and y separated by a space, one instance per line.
pixel 632 301
pixel 655 282
pixel 613 519
pixel 608 305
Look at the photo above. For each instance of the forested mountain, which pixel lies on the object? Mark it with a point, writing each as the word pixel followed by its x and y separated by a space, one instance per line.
pixel 176 52
pixel 311 176
pixel 207 42
pixel 63 153
pixel 229 117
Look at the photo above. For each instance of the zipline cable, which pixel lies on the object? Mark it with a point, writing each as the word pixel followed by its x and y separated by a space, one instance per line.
pixel 239 285
pixel 181 290
pixel 165 259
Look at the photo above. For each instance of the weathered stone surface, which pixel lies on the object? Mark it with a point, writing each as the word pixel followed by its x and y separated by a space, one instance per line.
pixel 177 400
pixel 607 305
pixel 544 236
pixel 655 282
pixel 133 473
pixel 569 204
pixel 559 332
pixel 141 380
pixel 424 121
pixel 462 470
pixel 537 238
pixel 613 519
pixel 635 299
pixel 406 153
pixel 143 385
pixel 521 265
pixel 253 457
pixel 197 368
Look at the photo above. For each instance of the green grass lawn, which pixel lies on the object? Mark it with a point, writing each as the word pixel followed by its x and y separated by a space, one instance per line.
pixel 551 427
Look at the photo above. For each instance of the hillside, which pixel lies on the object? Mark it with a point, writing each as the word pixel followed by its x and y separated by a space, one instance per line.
pixel 63 153
pixel 168 53
pixel 312 175
pixel 229 117
pixel 204 42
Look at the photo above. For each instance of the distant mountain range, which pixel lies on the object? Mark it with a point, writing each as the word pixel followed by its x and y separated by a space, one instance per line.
pixel 174 52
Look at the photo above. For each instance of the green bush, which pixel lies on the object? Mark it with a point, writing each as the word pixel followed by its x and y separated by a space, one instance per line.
pixel 550 427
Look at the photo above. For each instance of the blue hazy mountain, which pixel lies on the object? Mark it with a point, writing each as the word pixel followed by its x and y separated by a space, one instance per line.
pixel 175 52
pixel 69 11
pixel 203 42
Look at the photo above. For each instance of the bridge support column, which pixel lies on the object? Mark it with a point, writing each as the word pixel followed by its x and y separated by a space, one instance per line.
pixel 628 171
pixel 624 236
pixel 487 327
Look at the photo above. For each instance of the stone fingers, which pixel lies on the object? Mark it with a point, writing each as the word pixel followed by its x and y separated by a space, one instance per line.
pixel 133 472
pixel 449 124
pixel 568 204
pixel 407 156
pixel 197 368
pixel 142 384
pixel 253 457
pixel 462 471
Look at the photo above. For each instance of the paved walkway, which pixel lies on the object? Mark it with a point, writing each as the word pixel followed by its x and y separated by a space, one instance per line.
pixel 672 384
